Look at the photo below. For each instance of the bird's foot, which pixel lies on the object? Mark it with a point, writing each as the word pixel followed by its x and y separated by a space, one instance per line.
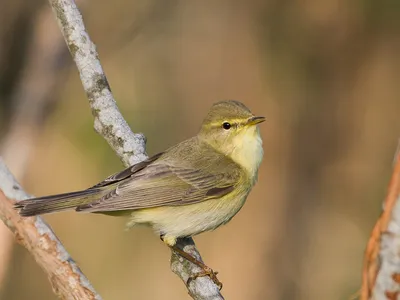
pixel 207 271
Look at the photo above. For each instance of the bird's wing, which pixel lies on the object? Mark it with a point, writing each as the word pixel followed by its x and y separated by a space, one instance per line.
pixel 128 172
pixel 160 184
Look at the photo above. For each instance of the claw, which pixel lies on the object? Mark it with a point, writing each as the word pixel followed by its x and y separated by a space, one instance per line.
pixel 207 271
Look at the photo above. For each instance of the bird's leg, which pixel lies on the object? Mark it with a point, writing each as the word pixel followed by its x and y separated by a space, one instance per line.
pixel 206 270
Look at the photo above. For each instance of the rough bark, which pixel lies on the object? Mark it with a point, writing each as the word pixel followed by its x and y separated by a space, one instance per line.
pixel 67 280
pixel 381 274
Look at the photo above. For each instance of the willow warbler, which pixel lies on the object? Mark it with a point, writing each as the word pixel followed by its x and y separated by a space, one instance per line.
pixel 194 186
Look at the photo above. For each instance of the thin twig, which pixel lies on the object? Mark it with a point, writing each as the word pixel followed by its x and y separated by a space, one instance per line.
pixel 67 280
pixel 110 124
pixel 108 121
pixel 381 278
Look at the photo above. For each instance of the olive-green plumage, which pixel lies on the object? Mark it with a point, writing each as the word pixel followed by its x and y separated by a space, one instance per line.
pixel 192 187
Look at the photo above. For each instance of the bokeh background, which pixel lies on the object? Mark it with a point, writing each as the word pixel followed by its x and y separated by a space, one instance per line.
pixel 324 73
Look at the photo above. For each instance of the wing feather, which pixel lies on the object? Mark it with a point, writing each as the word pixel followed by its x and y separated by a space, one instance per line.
pixel 128 172
pixel 161 184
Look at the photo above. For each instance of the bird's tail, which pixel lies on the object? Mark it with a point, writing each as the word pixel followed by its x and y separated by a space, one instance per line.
pixel 56 203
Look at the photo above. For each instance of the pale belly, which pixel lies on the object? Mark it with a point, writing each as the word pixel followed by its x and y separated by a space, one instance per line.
pixel 183 221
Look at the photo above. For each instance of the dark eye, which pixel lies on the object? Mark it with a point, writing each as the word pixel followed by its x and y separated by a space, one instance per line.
pixel 226 125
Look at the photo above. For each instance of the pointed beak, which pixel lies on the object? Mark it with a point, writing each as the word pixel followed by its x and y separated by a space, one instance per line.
pixel 255 120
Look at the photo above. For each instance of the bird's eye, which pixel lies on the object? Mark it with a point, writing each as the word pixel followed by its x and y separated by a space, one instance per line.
pixel 226 125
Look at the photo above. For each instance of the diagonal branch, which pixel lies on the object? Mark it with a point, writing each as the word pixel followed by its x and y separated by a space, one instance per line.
pixel 108 121
pixel 67 280
pixel 110 124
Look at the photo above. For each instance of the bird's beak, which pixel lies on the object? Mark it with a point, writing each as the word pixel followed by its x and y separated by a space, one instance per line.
pixel 255 120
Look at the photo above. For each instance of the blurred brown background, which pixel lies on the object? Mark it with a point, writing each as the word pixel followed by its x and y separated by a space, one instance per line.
pixel 324 73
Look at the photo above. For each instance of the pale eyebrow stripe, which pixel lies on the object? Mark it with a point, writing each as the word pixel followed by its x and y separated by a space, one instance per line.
pixel 232 121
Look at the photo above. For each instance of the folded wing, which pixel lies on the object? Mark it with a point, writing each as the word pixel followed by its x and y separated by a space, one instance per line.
pixel 161 184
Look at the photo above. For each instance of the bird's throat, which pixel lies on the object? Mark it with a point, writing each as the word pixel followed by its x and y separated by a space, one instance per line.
pixel 248 151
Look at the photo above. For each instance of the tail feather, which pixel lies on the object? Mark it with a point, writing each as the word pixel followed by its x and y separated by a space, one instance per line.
pixel 56 203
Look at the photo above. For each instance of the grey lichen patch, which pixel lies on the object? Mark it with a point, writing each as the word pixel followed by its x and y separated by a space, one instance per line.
pixel 107 130
pixel 128 153
pixel 62 17
pixel 135 148
pixel 73 49
pixel 60 13
pixel 92 98
pixel 100 83
pixel 181 266
pixel 66 26
pixel 120 142
pixel 95 112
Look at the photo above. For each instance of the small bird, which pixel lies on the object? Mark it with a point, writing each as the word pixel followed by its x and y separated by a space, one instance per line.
pixel 194 186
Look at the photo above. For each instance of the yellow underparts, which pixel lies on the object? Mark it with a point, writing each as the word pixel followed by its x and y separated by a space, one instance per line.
pixel 173 222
